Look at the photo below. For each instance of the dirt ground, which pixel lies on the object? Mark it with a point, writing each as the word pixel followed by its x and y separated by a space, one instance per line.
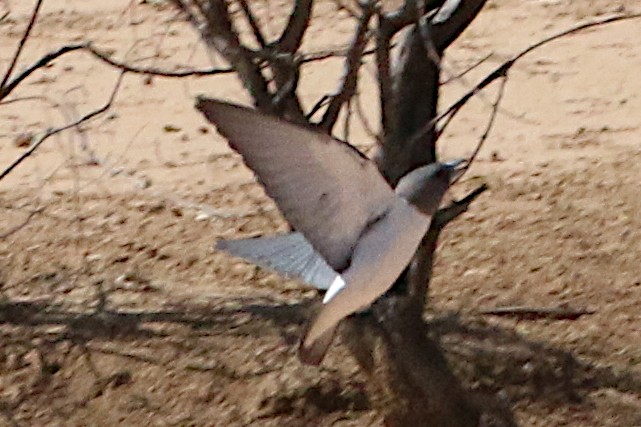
pixel 116 310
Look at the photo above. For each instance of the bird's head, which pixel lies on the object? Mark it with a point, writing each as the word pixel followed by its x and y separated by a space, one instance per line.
pixel 424 187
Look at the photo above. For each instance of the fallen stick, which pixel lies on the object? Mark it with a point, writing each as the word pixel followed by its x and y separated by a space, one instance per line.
pixel 537 313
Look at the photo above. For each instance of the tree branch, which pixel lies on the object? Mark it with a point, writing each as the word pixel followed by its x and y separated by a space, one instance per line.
pixel 253 23
pixel 218 32
pixel 502 70
pixel 7 88
pixel 353 63
pixel 51 132
pixel 420 271
pixel 486 133
pixel 297 25
pixel 102 56
pixel 152 71
pixel 537 313
pixel 23 40
pixel 385 86
pixel 24 223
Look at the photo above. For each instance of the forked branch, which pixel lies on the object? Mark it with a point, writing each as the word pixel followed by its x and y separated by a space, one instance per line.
pixel 51 132
pixel 353 62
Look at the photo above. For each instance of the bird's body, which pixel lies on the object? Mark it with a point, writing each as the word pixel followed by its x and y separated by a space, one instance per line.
pixel 380 257
pixel 354 234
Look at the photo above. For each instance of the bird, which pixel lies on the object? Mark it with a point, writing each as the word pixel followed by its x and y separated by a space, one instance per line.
pixel 353 234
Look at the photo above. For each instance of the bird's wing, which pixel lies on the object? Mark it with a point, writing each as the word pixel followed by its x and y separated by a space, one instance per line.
pixel 325 188
pixel 288 254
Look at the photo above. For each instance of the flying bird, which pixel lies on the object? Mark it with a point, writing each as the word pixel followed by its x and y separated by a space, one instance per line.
pixel 354 234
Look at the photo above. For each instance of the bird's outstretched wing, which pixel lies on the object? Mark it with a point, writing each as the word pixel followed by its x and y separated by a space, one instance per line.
pixel 325 188
pixel 288 254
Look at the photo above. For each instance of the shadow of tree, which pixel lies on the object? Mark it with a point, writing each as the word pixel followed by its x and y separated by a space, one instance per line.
pixel 491 360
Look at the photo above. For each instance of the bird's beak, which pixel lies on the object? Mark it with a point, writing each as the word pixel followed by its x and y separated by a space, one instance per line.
pixel 456 168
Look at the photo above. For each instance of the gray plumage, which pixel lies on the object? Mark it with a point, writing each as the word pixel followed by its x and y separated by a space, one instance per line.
pixel 288 254
pixel 327 190
pixel 343 210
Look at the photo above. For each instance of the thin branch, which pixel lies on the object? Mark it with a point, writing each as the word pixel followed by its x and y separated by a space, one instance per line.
pixel 285 92
pixel 322 55
pixel 448 214
pixel 102 56
pixel 353 63
pixel 7 88
pixel 426 33
pixel 253 23
pixel 319 104
pixel 486 133
pixel 217 30
pixel 537 313
pixel 24 223
pixel 341 6
pixel 346 123
pixel 298 23
pixel 152 70
pixel 51 132
pixel 420 270
pixel 23 40
pixel 447 30
pixel 404 15
pixel 468 69
pixel 362 117
pixel 191 17
pixel 501 70
pixel 385 86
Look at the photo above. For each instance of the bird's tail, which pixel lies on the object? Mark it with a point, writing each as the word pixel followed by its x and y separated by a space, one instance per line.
pixel 290 254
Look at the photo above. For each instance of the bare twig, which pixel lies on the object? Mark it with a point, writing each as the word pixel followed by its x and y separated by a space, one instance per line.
pixel 360 112
pixel 348 119
pixel 352 65
pixel 537 313
pixel 501 70
pixel 426 32
pixel 152 70
pixel 102 56
pixel 253 23
pixel 23 40
pixel 7 88
pixel 187 11
pixel 420 271
pixel 298 23
pixel 327 54
pixel 404 15
pixel 486 133
pixel 342 6
pixel 51 132
pixel 319 104
pixel 467 70
pixel 218 31
pixel 385 86
pixel 448 214
pixel 24 223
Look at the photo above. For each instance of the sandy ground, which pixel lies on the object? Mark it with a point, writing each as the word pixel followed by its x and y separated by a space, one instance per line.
pixel 128 207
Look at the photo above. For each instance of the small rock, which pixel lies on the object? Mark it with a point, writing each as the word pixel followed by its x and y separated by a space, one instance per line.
pixel 171 128
pixel 23 140
pixel 203 216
